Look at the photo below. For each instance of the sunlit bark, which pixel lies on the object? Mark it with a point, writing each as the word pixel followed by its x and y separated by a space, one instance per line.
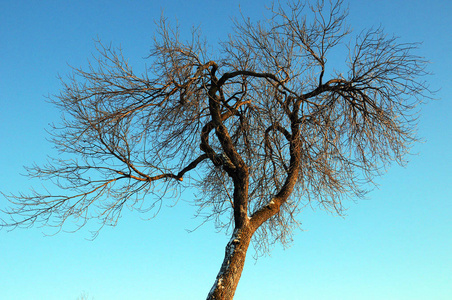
pixel 262 131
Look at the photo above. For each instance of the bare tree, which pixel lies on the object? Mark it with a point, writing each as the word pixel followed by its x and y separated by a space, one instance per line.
pixel 83 296
pixel 267 126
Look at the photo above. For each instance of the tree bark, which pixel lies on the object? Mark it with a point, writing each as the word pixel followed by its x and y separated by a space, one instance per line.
pixel 231 269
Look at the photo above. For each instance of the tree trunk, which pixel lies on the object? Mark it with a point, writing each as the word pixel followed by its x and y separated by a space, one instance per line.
pixel 231 269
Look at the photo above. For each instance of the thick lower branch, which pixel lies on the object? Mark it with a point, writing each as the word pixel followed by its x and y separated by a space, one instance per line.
pixel 191 166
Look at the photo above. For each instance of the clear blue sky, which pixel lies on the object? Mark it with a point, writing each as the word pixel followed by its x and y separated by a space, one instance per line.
pixel 397 244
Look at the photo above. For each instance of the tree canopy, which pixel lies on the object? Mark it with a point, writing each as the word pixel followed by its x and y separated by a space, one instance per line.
pixel 263 126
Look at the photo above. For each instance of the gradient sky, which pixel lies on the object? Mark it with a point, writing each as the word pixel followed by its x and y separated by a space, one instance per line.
pixel 397 244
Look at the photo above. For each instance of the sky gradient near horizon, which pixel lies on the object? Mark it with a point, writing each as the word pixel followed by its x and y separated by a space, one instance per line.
pixel 394 245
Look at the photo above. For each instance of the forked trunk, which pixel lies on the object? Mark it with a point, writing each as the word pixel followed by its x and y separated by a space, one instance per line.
pixel 232 267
